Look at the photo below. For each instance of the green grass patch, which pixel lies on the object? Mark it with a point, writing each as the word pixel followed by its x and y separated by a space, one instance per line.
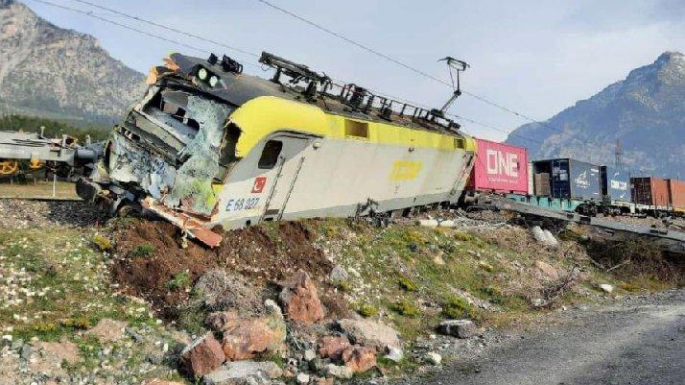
pixel 406 308
pixel 142 251
pixel 457 307
pixel 367 310
pixel 406 284
pixel 179 281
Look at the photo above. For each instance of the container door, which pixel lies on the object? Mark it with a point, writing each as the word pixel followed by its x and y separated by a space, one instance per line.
pixel 284 154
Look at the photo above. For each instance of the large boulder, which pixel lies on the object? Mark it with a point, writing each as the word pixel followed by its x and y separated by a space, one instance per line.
pixel 202 356
pixel 245 338
pixel 244 373
pixel 371 333
pixel 300 300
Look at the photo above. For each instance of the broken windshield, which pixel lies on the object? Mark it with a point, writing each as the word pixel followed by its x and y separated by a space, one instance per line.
pixel 195 127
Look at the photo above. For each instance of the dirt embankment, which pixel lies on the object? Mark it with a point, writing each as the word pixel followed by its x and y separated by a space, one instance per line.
pixel 153 264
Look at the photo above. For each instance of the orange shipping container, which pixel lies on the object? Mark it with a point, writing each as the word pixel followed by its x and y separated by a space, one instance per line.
pixel 676 189
pixel 651 192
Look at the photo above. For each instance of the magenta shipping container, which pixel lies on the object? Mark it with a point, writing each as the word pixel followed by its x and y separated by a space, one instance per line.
pixel 500 168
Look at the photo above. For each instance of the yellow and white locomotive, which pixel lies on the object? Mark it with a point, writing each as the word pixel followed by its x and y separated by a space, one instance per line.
pixel 209 146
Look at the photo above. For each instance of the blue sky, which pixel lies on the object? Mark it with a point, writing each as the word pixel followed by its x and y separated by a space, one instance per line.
pixel 536 57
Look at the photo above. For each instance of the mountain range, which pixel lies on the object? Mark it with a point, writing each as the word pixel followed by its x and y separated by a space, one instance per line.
pixel 52 72
pixel 58 73
pixel 645 113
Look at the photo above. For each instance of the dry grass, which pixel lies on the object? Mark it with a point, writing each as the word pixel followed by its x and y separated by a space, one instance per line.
pixel 37 189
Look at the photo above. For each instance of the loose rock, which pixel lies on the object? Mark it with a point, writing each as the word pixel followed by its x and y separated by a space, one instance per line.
pixel 301 301
pixel 309 355
pixel 245 338
pixel 339 274
pixel 243 372
pixel 333 347
pixel 202 356
pixel 371 333
pixel 338 371
pixel 458 328
pixel 302 378
pixel 359 359
pixel 433 358
pixel 394 354
pixel 540 236
pixel 606 288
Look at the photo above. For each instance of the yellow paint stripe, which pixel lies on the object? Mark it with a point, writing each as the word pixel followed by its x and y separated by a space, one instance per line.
pixel 264 115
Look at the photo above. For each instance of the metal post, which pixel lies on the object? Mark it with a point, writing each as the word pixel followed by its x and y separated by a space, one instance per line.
pixel 54 185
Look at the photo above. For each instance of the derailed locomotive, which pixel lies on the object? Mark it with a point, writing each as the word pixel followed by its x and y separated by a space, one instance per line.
pixel 209 146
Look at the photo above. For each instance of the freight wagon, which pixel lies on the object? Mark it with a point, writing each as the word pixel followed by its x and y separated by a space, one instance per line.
pixel 499 168
pixel 651 195
pixel 616 191
pixel 676 193
pixel 568 179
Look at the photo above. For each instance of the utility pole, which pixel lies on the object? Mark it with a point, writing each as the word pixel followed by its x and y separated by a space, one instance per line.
pixel 619 154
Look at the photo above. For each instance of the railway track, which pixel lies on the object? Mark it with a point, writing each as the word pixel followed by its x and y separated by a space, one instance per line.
pixel 670 240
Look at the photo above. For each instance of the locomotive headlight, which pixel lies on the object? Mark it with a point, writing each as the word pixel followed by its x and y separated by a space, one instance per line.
pixel 202 74
pixel 213 81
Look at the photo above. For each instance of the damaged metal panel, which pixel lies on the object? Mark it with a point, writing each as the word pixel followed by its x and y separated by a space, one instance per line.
pixel 193 187
pixel 131 164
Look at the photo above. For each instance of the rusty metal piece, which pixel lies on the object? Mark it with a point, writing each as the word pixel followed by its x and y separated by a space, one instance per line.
pixel 190 225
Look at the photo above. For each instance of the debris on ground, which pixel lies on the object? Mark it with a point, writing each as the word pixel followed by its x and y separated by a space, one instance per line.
pixel 299 302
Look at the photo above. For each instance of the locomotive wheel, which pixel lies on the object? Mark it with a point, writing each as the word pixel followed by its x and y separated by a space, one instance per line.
pixel 8 167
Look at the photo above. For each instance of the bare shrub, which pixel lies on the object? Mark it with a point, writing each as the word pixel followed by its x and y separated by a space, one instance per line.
pixel 220 291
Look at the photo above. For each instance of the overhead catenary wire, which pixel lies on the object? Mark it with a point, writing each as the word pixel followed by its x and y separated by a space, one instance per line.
pixel 406 66
pixel 90 14
pixel 134 29
pixel 166 27
pixel 202 50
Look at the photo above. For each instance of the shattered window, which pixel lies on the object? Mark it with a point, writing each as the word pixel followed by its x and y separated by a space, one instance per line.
pixel 193 186
pixel 170 107
pixel 269 158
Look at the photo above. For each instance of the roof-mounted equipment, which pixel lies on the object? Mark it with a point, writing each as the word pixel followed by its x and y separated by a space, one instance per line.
pixel 455 66
pixel 297 73
pixel 230 65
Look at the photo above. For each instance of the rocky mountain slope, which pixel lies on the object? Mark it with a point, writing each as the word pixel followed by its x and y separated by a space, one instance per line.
pixel 49 71
pixel 646 112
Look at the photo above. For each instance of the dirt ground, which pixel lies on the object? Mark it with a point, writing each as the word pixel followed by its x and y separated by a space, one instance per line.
pixel 265 256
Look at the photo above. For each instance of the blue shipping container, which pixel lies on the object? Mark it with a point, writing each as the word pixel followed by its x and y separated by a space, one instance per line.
pixel 572 179
pixel 615 184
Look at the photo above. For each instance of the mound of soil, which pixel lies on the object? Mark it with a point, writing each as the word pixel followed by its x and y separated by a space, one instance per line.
pixel 263 258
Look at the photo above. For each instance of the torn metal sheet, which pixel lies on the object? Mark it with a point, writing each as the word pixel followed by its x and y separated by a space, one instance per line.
pixel 131 164
pixel 185 222
pixel 193 187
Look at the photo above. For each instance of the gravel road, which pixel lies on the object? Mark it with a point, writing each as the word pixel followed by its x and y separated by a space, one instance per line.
pixel 638 341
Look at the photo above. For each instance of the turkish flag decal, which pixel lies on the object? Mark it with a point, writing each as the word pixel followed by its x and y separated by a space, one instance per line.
pixel 259 183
